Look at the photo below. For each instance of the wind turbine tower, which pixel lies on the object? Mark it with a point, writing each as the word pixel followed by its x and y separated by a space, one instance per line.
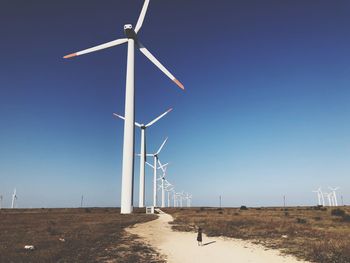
pixel 1 201
pixel 131 37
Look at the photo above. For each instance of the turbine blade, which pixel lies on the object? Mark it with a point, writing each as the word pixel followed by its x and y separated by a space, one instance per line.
pixel 159 65
pixel 163 166
pixel 150 165
pixel 122 117
pixel 142 16
pixel 119 116
pixel 159 117
pixel 160 166
pixel 161 147
pixel 99 47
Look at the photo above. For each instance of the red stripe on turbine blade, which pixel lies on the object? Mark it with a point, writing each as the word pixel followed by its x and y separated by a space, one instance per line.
pixel 179 84
pixel 71 55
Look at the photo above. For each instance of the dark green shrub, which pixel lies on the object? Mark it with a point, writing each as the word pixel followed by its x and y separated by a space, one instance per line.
pixel 338 212
pixel 301 220
pixel 243 207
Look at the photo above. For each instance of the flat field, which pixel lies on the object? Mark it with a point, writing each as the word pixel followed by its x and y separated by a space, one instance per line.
pixel 87 235
pixel 316 234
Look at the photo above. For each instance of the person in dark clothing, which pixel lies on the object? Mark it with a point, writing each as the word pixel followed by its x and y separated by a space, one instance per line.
pixel 199 236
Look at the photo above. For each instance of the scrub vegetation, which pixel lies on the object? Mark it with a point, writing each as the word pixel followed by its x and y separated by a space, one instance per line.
pixel 316 234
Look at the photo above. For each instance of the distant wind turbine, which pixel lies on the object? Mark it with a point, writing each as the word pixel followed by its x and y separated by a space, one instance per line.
pixel 14 199
pixel 334 195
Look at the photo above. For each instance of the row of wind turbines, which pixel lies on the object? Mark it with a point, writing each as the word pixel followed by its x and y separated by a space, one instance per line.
pixel 160 183
pixel 13 200
pixel 132 39
pixel 331 196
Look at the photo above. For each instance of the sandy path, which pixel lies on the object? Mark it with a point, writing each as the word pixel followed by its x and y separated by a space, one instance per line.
pixel 181 247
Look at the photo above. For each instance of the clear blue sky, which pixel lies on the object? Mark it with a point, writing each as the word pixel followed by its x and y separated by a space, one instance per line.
pixel 265 112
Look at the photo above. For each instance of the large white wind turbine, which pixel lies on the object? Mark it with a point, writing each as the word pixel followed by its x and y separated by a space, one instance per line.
pixel 14 198
pixel 128 144
pixel 143 128
pixel 154 166
pixel 1 201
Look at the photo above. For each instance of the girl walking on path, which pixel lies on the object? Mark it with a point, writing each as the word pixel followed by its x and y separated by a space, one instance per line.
pixel 199 236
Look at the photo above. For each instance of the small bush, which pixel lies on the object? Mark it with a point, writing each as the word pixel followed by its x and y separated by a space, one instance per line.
pixel 286 213
pixel 301 220
pixel 346 218
pixel 338 212
pixel 202 208
pixel 236 214
pixel 243 207
pixel 87 210
pixel 317 218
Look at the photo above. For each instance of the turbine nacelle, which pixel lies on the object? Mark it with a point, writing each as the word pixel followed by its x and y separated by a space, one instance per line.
pixel 129 31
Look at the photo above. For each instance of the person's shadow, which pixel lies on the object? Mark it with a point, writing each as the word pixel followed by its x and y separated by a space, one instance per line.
pixel 206 244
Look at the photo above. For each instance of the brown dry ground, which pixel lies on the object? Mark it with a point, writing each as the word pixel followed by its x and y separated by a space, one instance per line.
pixel 310 233
pixel 91 235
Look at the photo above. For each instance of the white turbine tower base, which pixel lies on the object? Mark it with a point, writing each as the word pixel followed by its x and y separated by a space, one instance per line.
pixel 128 144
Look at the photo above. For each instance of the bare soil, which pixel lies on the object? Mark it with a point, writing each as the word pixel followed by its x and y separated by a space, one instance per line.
pixel 87 235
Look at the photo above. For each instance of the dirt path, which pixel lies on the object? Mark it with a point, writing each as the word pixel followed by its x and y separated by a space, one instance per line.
pixel 181 247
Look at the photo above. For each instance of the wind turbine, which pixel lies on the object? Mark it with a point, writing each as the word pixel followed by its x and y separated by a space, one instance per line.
pixel 128 144
pixel 180 196
pixel 318 196
pixel 174 196
pixel 154 166
pixel 1 201
pixel 162 178
pixel 14 198
pixel 329 197
pixel 188 198
pixel 334 195
pixel 169 188
pixel 143 128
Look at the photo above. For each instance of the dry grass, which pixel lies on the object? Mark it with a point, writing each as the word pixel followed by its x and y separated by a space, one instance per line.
pixel 91 235
pixel 311 233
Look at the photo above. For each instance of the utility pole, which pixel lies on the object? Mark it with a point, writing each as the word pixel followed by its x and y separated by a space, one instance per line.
pixel 342 200
pixel 81 202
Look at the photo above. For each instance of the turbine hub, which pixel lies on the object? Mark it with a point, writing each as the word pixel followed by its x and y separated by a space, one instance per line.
pixel 129 31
